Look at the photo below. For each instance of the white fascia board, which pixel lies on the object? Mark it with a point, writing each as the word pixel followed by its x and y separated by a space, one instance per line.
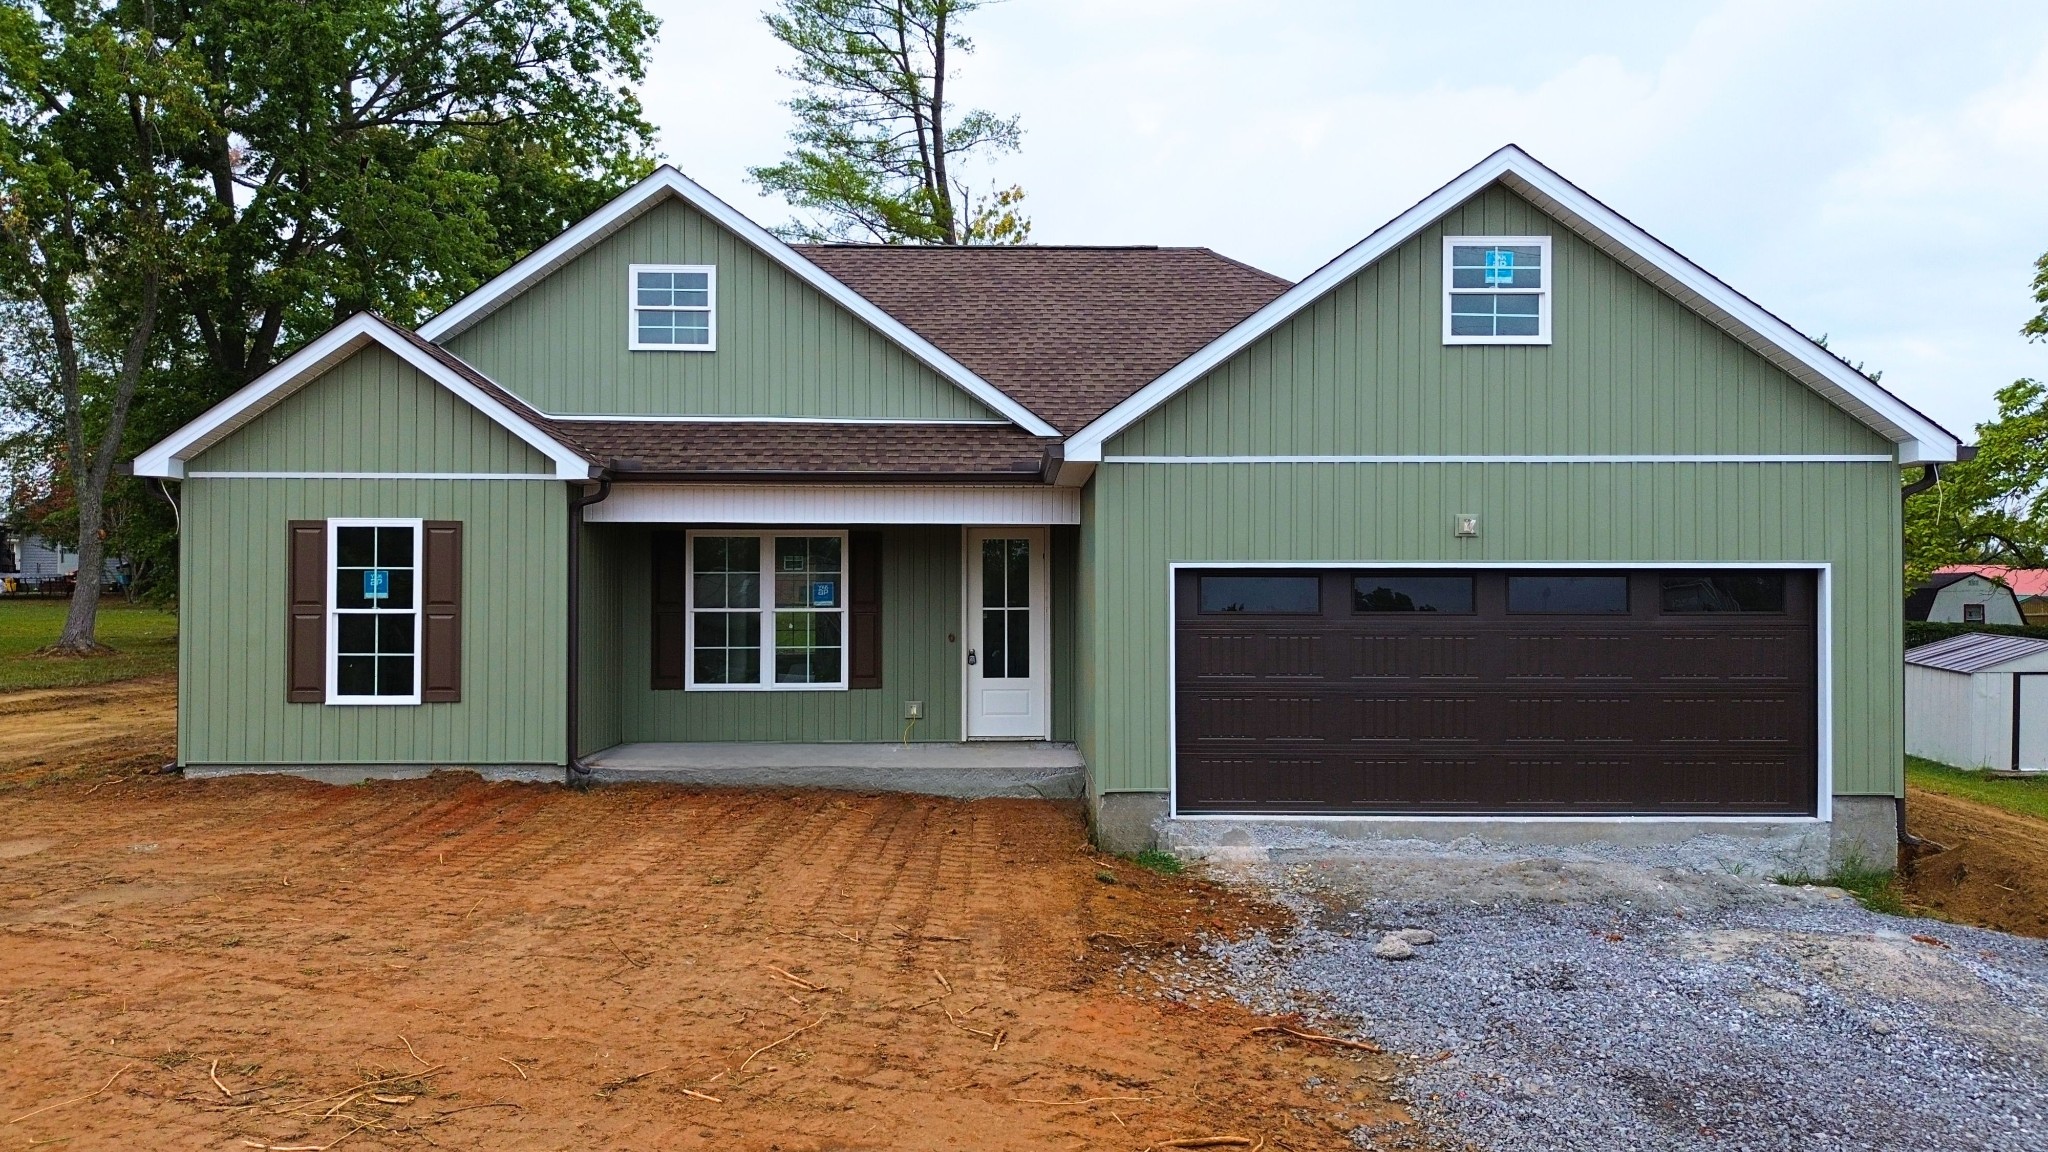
pixel 666 181
pixel 166 458
pixel 1919 439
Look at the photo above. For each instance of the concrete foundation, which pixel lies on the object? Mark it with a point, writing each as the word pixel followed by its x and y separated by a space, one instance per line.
pixel 970 770
pixel 358 773
pixel 1863 828
pixel 1128 822
pixel 1866 831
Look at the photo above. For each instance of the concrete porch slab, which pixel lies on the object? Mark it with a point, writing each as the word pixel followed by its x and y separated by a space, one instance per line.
pixel 969 771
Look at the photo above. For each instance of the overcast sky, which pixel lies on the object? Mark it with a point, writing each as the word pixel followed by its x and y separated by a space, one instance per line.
pixel 1875 171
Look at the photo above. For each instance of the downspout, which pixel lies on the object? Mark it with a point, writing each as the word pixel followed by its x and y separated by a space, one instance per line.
pixel 578 776
pixel 1930 474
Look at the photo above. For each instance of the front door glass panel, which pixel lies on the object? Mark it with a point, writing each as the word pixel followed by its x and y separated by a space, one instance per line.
pixel 1005 609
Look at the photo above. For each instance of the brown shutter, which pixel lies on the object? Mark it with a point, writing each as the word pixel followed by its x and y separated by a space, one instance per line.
pixel 305 659
pixel 671 609
pixel 864 610
pixel 441 600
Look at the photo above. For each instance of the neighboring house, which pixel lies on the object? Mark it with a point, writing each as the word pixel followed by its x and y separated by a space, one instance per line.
pixel 2029 586
pixel 31 564
pixel 1979 701
pixel 1964 598
pixel 1507 520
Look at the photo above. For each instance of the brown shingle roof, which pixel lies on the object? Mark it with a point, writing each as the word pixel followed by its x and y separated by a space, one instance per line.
pixel 1068 332
pixel 768 449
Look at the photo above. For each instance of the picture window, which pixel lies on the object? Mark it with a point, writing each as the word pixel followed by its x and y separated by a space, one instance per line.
pixel 767 610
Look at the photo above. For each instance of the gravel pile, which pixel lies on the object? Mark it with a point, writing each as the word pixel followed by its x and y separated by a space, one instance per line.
pixel 1653 1010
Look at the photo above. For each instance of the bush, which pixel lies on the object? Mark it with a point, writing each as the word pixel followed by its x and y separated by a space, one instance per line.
pixel 1920 632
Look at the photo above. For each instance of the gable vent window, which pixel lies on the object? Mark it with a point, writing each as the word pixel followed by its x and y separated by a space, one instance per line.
pixel 675 308
pixel 1497 289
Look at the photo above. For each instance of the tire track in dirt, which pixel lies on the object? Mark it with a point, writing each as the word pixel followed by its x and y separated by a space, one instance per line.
pixel 293 931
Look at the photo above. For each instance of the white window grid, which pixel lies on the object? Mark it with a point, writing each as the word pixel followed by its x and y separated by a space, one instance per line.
pixel 1543 294
pixel 766 610
pixel 634 308
pixel 331 654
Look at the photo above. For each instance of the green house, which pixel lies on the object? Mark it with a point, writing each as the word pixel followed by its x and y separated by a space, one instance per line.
pixel 1509 521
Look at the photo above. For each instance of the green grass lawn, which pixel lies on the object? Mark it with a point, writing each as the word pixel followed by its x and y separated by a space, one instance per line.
pixel 2026 797
pixel 145 642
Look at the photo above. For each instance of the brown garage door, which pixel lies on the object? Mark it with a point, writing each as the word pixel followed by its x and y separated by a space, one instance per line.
pixel 1463 692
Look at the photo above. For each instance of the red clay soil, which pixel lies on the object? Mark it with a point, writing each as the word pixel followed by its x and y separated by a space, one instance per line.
pixel 274 963
pixel 1994 873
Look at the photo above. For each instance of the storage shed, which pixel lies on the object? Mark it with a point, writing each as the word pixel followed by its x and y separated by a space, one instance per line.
pixel 1979 701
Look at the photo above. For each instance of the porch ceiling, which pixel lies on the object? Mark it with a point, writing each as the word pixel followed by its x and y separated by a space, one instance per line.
pixel 988 505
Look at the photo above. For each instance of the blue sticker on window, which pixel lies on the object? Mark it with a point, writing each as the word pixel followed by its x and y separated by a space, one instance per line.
pixel 1500 267
pixel 824 593
pixel 376 583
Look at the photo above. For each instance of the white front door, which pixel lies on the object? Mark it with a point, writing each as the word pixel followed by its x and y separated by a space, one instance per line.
pixel 1008 632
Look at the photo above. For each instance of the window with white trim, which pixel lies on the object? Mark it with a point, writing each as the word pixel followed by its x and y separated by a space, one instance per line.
pixel 1497 289
pixel 767 610
pixel 674 307
pixel 373 616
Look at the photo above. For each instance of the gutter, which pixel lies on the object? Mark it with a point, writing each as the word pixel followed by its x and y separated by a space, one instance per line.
pixel 577 775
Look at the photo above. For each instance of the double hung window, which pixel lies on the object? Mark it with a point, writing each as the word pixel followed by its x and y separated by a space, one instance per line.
pixel 374 624
pixel 767 610
pixel 674 308
pixel 1497 289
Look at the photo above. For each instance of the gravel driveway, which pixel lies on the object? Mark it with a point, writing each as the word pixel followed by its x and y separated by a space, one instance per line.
pixel 1604 1004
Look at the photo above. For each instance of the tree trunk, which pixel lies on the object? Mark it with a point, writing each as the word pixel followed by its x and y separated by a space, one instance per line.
pixel 82 621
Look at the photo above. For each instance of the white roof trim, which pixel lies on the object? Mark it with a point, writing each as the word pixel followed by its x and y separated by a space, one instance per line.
pixel 167 458
pixel 1919 439
pixel 665 182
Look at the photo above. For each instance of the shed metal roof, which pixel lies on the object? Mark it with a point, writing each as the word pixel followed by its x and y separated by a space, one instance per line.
pixel 1975 651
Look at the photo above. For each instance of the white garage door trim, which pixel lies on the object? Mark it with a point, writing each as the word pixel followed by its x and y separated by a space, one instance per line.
pixel 1823 629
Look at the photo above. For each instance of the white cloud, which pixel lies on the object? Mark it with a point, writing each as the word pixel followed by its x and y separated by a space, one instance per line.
pixel 1870 170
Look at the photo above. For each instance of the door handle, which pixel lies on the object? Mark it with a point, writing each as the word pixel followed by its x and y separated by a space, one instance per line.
pixel 972 660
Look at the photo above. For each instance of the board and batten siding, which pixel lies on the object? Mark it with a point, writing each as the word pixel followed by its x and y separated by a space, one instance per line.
pixel 601 626
pixel 372 413
pixel 783 347
pixel 1364 371
pixel 231 657
pixel 1147 517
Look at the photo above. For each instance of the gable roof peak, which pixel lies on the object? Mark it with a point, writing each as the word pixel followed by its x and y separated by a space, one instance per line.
pixel 1919 439
pixel 666 183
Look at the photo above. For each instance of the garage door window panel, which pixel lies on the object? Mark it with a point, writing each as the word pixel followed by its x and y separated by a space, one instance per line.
pixel 1568 595
pixel 1445 595
pixel 1262 595
pixel 1704 593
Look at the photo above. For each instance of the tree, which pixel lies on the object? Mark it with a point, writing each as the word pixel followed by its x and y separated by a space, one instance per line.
pixel 90 109
pixel 305 160
pixel 878 152
pixel 1992 509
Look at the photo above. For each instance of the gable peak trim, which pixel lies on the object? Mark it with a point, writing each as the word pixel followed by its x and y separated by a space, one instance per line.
pixel 1919 439
pixel 167 458
pixel 665 183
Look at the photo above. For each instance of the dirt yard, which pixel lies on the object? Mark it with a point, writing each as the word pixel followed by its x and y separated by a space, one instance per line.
pixel 1994 873
pixel 270 963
